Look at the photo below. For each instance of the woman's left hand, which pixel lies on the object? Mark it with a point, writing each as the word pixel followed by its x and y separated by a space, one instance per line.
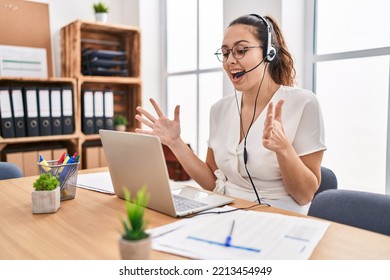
pixel 274 137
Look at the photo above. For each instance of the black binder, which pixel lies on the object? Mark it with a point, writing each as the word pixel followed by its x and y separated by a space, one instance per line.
pixel 67 111
pixel 18 111
pixel 56 111
pixel 88 125
pixel 7 122
pixel 109 110
pixel 44 111
pixel 31 111
pixel 98 105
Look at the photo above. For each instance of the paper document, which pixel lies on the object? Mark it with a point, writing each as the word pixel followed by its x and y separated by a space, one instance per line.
pixel 100 181
pixel 241 235
pixel 16 61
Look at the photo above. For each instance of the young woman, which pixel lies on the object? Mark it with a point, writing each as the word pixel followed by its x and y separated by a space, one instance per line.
pixel 266 140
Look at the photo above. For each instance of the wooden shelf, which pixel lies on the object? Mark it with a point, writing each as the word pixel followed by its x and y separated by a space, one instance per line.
pixel 81 35
pixel 75 37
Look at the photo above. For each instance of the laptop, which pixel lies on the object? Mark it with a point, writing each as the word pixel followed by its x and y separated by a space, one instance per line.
pixel 135 160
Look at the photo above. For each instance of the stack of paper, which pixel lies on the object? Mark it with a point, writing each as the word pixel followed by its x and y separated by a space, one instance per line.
pixel 255 235
pixel 100 181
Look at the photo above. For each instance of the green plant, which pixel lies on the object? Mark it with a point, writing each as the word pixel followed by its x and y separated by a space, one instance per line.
pixel 100 7
pixel 46 182
pixel 120 119
pixel 134 225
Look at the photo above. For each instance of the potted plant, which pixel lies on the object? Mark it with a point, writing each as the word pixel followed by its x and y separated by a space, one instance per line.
pixel 135 243
pixel 120 123
pixel 46 194
pixel 101 11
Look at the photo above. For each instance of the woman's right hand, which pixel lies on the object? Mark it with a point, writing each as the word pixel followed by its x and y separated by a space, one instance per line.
pixel 167 130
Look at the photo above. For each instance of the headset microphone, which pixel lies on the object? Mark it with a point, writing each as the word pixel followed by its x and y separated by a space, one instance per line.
pixel 240 74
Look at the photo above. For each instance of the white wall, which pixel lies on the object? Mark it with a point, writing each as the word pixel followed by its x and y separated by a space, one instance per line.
pixel 152 70
pixel 293 28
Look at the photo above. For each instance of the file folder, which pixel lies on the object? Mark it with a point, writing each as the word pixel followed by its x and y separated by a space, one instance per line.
pixel 55 111
pixel 87 113
pixel 44 111
pixel 7 123
pixel 67 111
pixel 109 110
pixel 98 102
pixel 18 111
pixel 31 111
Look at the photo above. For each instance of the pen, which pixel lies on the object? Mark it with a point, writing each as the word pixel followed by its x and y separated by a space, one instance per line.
pixel 66 159
pixel 77 158
pixel 61 158
pixel 71 160
pixel 64 163
pixel 44 164
pixel 229 237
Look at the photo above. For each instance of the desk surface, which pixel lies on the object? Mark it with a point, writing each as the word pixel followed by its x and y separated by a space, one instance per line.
pixel 88 227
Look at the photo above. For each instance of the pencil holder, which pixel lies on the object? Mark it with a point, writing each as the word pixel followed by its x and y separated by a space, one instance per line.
pixel 65 173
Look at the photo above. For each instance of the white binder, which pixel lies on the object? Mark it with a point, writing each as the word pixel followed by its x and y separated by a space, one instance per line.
pixel 56 111
pixel 109 110
pixel 18 112
pixel 67 111
pixel 88 118
pixel 98 103
pixel 44 111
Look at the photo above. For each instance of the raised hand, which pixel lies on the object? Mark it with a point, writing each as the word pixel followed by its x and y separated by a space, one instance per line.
pixel 167 130
pixel 274 137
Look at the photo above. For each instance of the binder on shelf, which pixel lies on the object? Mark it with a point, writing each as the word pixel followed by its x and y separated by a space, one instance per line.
pixel 7 123
pixel 87 112
pixel 55 111
pixel 67 111
pixel 44 111
pixel 18 111
pixel 98 103
pixel 31 111
pixel 109 110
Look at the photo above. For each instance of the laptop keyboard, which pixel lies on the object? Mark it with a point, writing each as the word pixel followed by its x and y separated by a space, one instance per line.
pixel 184 204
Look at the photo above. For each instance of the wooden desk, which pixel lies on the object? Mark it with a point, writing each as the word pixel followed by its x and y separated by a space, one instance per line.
pixel 88 227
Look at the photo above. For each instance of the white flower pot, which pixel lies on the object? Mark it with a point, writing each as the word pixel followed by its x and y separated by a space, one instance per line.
pixel 45 201
pixel 135 249
pixel 120 127
pixel 101 17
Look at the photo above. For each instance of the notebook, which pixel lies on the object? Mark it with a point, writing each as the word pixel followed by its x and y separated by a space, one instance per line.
pixel 135 160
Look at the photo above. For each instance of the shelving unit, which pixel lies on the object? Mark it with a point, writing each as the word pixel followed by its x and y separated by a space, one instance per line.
pixel 17 148
pixel 76 37
pixel 79 36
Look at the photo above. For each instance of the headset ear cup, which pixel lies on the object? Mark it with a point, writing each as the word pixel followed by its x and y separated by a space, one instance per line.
pixel 271 53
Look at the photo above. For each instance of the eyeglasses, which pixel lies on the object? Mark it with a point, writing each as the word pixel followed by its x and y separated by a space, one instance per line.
pixel 238 52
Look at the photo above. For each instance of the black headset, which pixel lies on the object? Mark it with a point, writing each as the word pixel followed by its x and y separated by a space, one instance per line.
pixel 270 51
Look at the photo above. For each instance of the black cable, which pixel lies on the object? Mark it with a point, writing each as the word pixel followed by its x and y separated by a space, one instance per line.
pixel 206 212
pixel 245 153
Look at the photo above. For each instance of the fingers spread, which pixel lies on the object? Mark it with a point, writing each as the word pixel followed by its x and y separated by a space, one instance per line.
pixel 144 121
pixel 146 114
pixel 278 110
pixel 156 108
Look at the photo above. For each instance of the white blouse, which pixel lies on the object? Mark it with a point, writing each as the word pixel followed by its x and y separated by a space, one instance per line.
pixel 303 125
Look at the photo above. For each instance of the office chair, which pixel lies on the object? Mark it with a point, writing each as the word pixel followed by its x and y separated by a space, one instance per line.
pixel 328 180
pixel 9 170
pixel 370 211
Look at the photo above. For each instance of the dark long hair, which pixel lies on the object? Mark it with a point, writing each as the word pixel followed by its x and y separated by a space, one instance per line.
pixel 282 66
